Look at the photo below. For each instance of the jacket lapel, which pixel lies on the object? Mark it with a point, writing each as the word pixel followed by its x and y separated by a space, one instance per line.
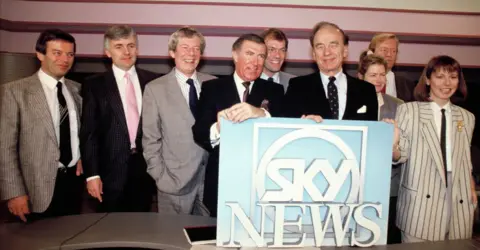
pixel 258 93
pixel 319 92
pixel 231 93
pixel 457 146
pixel 77 101
pixel 114 99
pixel 429 132
pixel 39 102
pixel 176 98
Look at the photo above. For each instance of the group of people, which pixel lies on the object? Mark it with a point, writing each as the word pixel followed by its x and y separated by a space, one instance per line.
pixel 126 138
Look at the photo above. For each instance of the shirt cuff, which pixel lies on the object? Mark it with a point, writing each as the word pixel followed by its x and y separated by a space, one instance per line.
pixel 214 135
pixel 267 114
pixel 93 177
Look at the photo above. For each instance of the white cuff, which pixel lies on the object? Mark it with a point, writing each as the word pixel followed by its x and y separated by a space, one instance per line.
pixel 214 135
pixel 93 177
pixel 267 114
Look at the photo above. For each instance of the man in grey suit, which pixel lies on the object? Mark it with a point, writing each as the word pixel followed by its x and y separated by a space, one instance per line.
pixel 277 46
pixel 175 161
pixel 39 145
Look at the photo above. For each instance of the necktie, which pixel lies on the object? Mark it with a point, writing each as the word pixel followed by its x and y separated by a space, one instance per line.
pixel 333 97
pixel 192 97
pixel 133 117
pixel 65 144
pixel 443 143
pixel 270 79
pixel 246 92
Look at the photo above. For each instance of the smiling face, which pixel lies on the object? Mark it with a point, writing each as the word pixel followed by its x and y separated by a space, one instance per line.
pixel 123 52
pixel 376 75
pixel 329 50
pixel 388 50
pixel 276 53
pixel 443 85
pixel 187 54
pixel 58 58
pixel 249 60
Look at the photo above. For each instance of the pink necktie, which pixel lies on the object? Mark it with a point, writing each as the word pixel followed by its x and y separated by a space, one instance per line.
pixel 132 110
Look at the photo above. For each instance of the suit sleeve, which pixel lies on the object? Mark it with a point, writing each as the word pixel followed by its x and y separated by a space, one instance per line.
pixel 11 180
pixel 291 106
pixel 89 137
pixel 206 116
pixel 404 123
pixel 152 135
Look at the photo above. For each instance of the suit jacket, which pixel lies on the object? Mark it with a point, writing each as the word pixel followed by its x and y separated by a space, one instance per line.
pixel 389 110
pixel 29 151
pixel 404 88
pixel 284 79
pixel 104 140
pixel 306 96
pixel 422 198
pixel 217 95
pixel 174 160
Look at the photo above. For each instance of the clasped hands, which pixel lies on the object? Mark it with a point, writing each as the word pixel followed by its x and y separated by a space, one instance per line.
pixel 239 113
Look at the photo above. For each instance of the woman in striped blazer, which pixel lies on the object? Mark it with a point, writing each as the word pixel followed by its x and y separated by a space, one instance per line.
pixel 436 199
pixel 373 69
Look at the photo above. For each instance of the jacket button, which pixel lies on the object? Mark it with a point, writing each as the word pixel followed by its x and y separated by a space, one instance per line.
pixel 428 196
pixel 461 201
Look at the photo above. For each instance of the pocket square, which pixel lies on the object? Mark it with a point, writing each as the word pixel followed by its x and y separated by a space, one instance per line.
pixel 362 110
pixel 264 104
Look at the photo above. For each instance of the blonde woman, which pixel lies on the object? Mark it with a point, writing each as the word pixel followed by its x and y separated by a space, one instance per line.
pixel 373 68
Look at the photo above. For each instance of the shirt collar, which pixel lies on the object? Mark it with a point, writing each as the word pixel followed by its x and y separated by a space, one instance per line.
pixel 120 73
pixel 182 76
pixel 276 77
pixel 436 108
pixel 49 81
pixel 340 76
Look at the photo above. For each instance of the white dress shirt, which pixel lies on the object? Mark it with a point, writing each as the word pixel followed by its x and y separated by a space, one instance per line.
pixel 184 87
pixel 214 133
pixel 341 83
pixel 276 77
pixel 437 115
pixel 391 88
pixel 49 85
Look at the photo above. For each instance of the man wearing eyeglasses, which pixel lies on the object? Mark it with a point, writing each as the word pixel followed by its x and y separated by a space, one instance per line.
pixel 277 45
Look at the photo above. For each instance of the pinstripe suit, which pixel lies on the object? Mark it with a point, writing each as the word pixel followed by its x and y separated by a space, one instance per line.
pixel 29 150
pixel 422 207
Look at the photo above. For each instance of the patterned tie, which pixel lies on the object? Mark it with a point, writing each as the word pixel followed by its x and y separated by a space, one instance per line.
pixel 192 97
pixel 443 143
pixel 133 118
pixel 270 79
pixel 333 97
pixel 246 92
pixel 65 144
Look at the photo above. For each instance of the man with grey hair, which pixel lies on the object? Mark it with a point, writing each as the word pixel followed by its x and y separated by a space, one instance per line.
pixel 110 135
pixel 238 97
pixel 174 160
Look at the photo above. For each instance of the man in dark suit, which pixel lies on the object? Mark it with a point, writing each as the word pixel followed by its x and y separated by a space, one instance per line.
pixel 330 93
pixel 110 138
pixel 386 46
pixel 236 98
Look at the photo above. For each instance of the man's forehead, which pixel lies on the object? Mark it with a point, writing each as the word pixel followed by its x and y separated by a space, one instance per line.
pixel 252 46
